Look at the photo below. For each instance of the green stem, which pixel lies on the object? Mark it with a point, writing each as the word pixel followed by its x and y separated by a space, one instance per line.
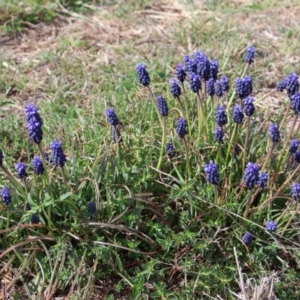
pixel 187 158
pixel 268 157
pixel 285 116
pixel 154 103
pixel 216 194
pixel 65 178
pixel 232 140
pixel 249 201
pixel 246 142
pixel 200 112
pixel 163 142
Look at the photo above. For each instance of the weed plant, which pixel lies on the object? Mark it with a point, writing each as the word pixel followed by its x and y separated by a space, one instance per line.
pixel 159 203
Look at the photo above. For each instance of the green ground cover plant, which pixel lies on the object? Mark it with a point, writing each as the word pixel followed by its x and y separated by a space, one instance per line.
pixel 156 186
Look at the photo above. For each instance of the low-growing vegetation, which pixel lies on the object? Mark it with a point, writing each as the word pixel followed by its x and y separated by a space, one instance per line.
pixel 175 184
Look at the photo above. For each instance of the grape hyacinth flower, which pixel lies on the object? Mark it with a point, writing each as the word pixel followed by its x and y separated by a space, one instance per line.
pixel 238 115
pixel 190 64
pixel 263 179
pixel 211 173
pixel 249 108
pixel 247 238
pixel 37 165
pixel 218 89
pixel 214 69
pixel 221 116
pixel 21 170
pixel 293 146
pixel 281 86
pixel 271 226
pixel 210 87
pixel 1 158
pixel 243 87
pixel 58 156
pixel 295 103
pixel 218 134
pixel 203 65
pixel 35 219
pixel 112 117
pixel 180 73
pixel 34 123
pixel 143 75
pixel 224 83
pixel 92 208
pixel 181 127
pixel 195 83
pixel 170 150
pixel 162 106
pixel 291 84
pixel 250 55
pixel 274 133
pixel 175 88
pixel 297 157
pixel 251 175
pixel 295 191
pixel 5 195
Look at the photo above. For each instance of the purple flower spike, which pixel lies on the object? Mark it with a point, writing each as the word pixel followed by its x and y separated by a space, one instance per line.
pixel 214 69
pixel 210 87
pixel 225 83
pixel 211 173
pixel 221 116
pixel 295 103
pixel 238 115
pixel 35 219
pixel 250 55
pixel 180 73
pixel 190 64
pixel 34 123
pixel 143 75
pixel 112 117
pixel 247 238
pixel 271 226
pixel 195 83
pixel 162 106
pixel 175 88
pixel 37 165
pixel 251 175
pixel 203 65
pixel 297 157
pixel 263 180
pixel 274 133
pixel 181 127
pixel 218 134
pixel 21 170
pixel 92 208
pixel 294 146
pixel 219 89
pixel 281 86
pixel 295 191
pixel 170 150
pixel 58 157
pixel 5 195
pixel 249 107
pixel 291 84
pixel 243 87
